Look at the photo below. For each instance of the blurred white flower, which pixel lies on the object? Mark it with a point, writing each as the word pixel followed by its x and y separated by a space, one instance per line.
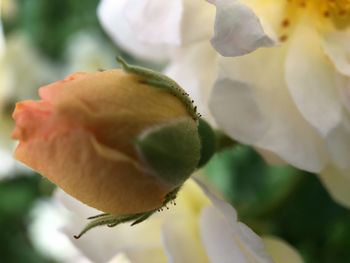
pixel 87 52
pixel 200 228
pixel 22 71
pixel 281 251
pixel 44 231
pixel 290 101
pixel 8 8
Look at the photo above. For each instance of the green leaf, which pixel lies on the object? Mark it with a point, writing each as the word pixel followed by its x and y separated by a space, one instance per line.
pixel 171 150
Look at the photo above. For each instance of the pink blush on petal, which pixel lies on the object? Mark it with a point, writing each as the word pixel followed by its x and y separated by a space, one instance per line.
pixel 30 116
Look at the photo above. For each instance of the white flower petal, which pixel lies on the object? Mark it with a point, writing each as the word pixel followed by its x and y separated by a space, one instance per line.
pixel 311 80
pixel 107 242
pixel 281 251
pixel 199 26
pixel 170 22
pixel 73 205
pixel 151 255
pixel 181 240
pixel 223 207
pixel 253 243
pixel 262 113
pixel 112 15
pixel 234 104
pixel 155 21
pixel 237 29
pixel 46 220
pixel 151 29
pixel 345 93
pixel 7 163
pixel 224 243
pixel 339 147
pixel 120 258
pixel 219 238
pixel 194 68
pixel 336 46
pixel 87 52
pixel 337 183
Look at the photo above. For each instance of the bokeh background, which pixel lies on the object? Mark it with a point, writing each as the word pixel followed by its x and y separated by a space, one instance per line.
pixel 46 40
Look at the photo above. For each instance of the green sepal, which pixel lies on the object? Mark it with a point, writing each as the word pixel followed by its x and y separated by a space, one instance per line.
pixel 114 220
pixel 208 142
pixel 161 81
pixel 171 150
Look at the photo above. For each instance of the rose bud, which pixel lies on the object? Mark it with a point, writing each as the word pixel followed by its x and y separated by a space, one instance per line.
pixel 121 141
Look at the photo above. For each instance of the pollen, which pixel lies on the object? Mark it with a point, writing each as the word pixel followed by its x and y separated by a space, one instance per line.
pixel 324 14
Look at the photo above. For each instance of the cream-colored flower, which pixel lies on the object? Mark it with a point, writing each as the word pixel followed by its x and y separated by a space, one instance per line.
pixel 290 101
pixel 45 221
pixel 200 228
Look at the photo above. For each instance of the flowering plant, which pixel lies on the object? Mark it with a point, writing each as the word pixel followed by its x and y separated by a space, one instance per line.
pixel 276 75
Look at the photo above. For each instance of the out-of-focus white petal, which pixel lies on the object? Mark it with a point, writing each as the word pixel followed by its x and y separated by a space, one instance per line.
pixel 234 104
pixel 22 77
pixel 181 240
pixel 270 14
pixel 336 177
pixel 253 243
pixel 311 80
pixel 46 219
pixel 274 123
pixel 270 157
pixel 195 69
pixel 107 242
pixel 237 29
pixel 87 52
pixel 336 46
pixel 281 251
pixel 120 258
pixel 155 21
pixel 199 26
pixel 200 228
pixel 339 148
pixel 337 183
pixel 149 255
pixel 219 225
pixel 224 243
pixel 223 207
pixel 7 163
pixel 113 17
pixel 219 239
pixel 170 22
pixel 152 28
pixel 345 93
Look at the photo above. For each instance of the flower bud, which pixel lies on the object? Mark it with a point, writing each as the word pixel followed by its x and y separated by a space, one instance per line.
pixel 118 141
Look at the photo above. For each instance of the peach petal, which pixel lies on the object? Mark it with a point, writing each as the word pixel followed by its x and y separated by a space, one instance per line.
pixel 104 181
pixel 29 117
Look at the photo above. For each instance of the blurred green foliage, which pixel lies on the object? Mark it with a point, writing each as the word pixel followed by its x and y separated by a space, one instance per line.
pixel 17 196
pixel 50 23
